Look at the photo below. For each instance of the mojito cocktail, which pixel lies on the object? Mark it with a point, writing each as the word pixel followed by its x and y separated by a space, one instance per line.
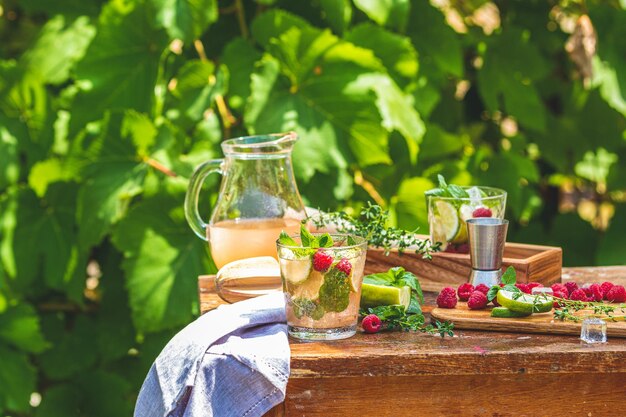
pixel 322 284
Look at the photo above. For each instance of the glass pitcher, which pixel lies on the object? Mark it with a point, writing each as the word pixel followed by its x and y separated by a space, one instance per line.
pixel 258 198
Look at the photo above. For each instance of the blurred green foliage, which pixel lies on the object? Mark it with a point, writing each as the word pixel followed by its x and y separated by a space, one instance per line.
pixel 107 106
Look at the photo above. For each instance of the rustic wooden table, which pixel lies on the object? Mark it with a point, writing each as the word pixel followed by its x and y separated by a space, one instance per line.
pixel 475 373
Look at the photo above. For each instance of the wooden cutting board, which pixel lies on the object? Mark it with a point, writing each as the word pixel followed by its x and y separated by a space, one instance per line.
pixel 464 318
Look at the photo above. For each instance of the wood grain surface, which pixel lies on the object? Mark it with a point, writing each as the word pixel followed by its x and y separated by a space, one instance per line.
pixel 475 373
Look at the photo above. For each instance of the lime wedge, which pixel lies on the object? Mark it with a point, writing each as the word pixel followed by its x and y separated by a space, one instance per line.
pixel 447 220
pixel 525 303
pixel 505 313
pixel 381 295
pixel 296 271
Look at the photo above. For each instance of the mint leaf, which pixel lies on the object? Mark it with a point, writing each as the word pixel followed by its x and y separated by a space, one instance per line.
pixel 325 241
pixel 442 182
pixel 335 291
pixel 457 191
pixel 493 292
pixel 508 278
pixel 307 239
pixel 285 239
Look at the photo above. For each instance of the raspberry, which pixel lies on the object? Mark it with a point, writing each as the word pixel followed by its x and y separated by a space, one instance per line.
pixel 617 294
pixel 588 292
pixel 482 288
pixel 464 291
pixel 447 298
pixel 322 260
pixel 571 286
pixel 605 287
pixel 371 323
pixel 523 288
pixel 344 266
pixel 532 285
pixel 578 295
pixel 559 294
pixel 477 301
pixel 482 212
pixel 462 248
pixel 596 292
pixel 559 287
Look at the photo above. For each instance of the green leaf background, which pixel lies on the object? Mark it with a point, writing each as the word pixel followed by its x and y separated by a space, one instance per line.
pixel 106 106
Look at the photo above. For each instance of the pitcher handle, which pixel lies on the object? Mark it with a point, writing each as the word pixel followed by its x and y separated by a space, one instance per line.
pixel 193 192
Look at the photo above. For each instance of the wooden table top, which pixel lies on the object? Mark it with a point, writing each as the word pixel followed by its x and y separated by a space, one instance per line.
pixel 468 353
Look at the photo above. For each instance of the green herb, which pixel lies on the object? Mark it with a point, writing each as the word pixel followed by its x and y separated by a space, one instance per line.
pixel 601 310
pixel 399 277
pixel 447 190
pixel 309 242
pixel 335 291
pixel 508 279
pixel 372 225
pixel 395 318
pixel 306 307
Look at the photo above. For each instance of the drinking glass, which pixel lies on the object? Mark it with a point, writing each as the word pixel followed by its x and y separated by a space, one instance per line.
pixel 447 216
pixel 323 305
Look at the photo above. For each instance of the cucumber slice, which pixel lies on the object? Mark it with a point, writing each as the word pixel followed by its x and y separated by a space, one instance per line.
pixel 503 312
pixel 382 295
pixel 296 271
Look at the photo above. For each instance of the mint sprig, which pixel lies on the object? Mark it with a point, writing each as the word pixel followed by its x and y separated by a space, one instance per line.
pixel 508 279
pixel 399 277
pixel 447 190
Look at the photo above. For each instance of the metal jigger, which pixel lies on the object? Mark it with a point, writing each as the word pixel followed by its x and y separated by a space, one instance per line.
pixel 486 242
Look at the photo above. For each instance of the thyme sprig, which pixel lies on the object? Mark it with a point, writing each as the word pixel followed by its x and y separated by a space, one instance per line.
pixel 372 224
pixel 568 308
pixel 395 317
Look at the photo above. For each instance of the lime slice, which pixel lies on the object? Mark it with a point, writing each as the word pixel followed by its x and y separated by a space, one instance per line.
pixel 503 312
pixel 381 295
pixel 296 271
pixel 525 303
pixel 447 221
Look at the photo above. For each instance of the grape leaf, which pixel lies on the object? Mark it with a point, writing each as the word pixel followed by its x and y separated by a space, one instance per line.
pixel 410 204
pixel 239 57
pixel 428 23
pixel 19 326
pixel 326 79
pixel 69 41
pixel 511 65
pixel 386 12
pixel 120 65
pixel 17 380
pixel 74 349
pixel 113 173
pixel 395 51
pixel 338 14
pixel 160 255
pixel 185 19
pixel 9 168
pixel 44 240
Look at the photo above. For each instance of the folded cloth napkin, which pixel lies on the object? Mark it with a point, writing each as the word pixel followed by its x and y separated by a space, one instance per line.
pixel 232 361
